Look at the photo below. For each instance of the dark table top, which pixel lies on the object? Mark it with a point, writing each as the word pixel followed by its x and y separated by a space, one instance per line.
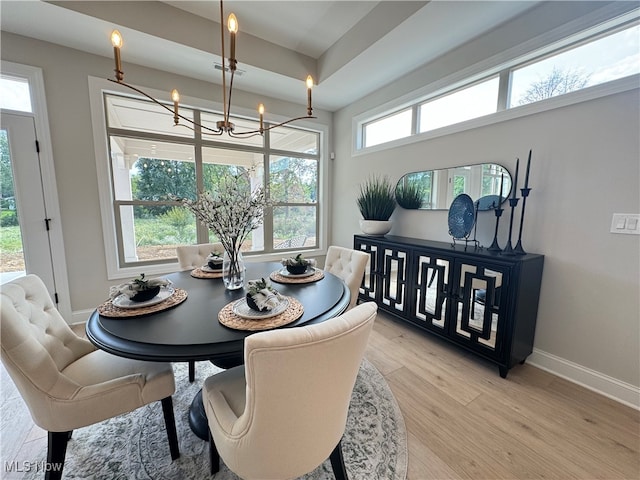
pixel 191 331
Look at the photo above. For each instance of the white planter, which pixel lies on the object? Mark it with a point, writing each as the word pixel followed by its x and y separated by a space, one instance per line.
pixel 375 227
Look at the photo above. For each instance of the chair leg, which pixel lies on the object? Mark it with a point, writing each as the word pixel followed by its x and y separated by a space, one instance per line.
pixel 192 371
pixel 337 463
pixel 214 456
pixel 170 423
pixel 56 451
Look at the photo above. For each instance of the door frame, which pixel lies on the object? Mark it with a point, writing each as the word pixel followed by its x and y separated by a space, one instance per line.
pixel 49 185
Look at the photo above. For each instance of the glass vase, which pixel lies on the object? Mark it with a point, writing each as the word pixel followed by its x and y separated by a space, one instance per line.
pixel 233 270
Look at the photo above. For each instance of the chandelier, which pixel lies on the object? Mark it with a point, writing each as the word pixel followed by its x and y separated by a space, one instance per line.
pixel 224 125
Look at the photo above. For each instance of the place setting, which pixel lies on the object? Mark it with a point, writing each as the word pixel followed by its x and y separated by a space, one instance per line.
pixel 212 269
pixel 297 270
pixel 262 308
pixel 141 296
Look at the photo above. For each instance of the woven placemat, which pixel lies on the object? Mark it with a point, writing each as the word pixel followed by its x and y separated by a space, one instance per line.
pixel 108 309
pixel 229 319
pixel 277 277
pixel 199 273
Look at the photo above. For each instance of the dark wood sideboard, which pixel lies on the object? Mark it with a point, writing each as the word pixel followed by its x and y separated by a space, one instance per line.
pixel 484 302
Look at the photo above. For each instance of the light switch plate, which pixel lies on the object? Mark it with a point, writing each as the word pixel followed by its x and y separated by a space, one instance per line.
pixel 628 223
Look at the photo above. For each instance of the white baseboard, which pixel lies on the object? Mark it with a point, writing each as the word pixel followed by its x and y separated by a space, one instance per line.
pixel 608 386
pixel 78 316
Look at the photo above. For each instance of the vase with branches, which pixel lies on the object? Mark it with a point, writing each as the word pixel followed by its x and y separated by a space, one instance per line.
pixel 232 212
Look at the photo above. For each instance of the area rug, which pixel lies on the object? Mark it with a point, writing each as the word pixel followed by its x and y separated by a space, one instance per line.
pixel 134 446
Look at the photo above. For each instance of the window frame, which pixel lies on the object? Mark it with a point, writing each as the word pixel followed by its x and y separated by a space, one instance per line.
pixel 502 65
pixel 116 269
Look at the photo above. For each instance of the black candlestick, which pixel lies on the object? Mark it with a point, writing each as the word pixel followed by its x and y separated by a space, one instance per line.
pixel 525 193
pixel 508 250
pixel 513 201
pixel 494 245
pixel 476 243
pixel 519 250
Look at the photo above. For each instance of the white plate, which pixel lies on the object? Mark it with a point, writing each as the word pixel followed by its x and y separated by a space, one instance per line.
pixel 122 301
pixel 207 268
pixel 285 273
pixel 243 310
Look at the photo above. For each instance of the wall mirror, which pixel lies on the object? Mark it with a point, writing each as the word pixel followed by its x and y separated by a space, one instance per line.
pixel 435 189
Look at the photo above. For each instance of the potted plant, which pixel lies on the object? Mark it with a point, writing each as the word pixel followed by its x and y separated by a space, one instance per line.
pixel 297 265
pixel 262 296
pixel 376 202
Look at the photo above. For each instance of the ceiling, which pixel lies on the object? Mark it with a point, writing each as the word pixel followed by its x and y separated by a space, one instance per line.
pixel 351 48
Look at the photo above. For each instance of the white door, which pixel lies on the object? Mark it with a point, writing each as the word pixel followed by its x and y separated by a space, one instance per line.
pixel 29 197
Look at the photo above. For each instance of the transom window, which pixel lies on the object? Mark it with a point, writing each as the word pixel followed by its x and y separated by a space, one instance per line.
pixel 15 94
pixel 153 163
pixel 605 56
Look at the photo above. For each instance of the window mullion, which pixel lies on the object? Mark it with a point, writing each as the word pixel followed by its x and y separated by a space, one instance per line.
pixel 504 89
pixel 202 232
pixel 267 224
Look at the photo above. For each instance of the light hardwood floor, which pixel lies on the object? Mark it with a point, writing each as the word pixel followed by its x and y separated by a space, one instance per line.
pixel 466 422
pixel 463 421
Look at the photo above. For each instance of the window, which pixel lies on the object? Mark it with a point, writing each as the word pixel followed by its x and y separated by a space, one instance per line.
pixel 465 104
pixel 153 163
pixel 389 128
pixel 611 53
pixel 602 60
pixel 15 94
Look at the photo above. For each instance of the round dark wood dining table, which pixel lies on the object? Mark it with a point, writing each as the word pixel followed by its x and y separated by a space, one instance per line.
pixel 191 330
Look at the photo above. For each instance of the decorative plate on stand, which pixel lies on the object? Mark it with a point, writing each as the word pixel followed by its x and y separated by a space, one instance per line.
pixel 461 216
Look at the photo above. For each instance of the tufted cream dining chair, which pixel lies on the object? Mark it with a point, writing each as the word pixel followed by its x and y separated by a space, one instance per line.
pixel 64 380
pixel 190 257
pixel 194 256
pixel 349 265
pixel 283 412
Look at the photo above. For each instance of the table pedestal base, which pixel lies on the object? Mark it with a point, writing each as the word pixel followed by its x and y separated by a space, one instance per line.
pixel 198 417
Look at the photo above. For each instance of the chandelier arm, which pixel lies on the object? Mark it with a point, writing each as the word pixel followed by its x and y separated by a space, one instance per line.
pixel 252 133
pixel 210 132
pixel 289 121
pixel 157 102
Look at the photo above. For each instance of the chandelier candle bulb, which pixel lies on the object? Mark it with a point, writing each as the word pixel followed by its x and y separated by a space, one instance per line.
pixel 232 25
pixel 261 112
pixel 116 41
pixel 175 96
pixel 309 87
